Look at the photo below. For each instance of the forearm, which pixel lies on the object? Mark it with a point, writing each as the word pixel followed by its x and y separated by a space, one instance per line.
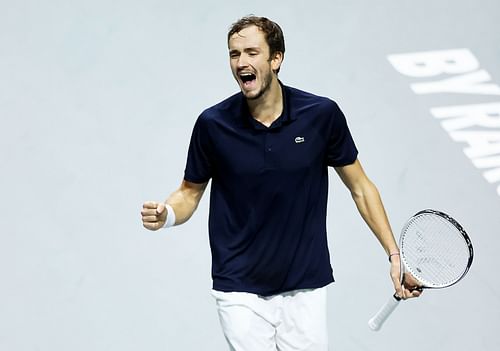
pixel 185 200
pixel 367 199
pixel 369 204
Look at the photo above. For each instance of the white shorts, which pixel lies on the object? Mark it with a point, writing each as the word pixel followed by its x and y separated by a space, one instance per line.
pixel 294 320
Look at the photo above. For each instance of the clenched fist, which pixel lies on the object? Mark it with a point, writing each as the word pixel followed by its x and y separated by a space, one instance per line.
pixel 154 215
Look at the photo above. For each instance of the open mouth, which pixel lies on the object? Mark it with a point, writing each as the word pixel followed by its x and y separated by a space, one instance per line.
pixel 247 78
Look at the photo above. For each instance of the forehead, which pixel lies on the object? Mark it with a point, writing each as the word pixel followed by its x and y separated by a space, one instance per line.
pixel 250 36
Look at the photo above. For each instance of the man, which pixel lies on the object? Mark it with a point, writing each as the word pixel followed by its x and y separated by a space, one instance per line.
pixel 266 150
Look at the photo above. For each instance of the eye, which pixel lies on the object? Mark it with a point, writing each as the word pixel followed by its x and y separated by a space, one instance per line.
pixel 234 54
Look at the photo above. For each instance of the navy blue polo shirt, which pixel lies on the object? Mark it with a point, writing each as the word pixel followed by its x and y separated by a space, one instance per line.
pixel 268 200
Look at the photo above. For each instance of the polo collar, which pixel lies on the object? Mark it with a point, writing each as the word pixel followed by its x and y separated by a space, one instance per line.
pixel 286 116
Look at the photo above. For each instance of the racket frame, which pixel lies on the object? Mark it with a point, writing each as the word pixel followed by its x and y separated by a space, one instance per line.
pixel 376 322
pixel 465 236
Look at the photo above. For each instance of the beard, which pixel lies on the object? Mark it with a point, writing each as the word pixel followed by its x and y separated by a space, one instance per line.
pixel 266 85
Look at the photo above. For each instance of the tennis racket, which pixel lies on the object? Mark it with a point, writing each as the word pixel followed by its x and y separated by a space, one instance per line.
pixel 436 250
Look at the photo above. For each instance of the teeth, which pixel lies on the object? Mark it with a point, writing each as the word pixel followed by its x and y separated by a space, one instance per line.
pixel 246 77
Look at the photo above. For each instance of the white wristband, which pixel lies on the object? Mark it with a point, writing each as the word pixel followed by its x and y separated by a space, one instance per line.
pixel 170 221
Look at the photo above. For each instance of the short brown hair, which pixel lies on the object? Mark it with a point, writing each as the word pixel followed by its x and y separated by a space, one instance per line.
pixel 272 31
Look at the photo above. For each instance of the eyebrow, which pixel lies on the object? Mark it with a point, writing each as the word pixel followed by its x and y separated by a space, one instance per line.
pixel 254 48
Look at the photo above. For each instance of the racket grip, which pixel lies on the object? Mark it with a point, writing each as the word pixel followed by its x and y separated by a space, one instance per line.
pixel 375 323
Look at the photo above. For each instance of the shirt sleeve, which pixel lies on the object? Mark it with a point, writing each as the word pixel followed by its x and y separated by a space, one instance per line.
pixel 199 161
pixel 341 148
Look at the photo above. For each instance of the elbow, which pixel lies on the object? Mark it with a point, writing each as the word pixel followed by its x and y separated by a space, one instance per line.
pixel 359 199
pixel 364 191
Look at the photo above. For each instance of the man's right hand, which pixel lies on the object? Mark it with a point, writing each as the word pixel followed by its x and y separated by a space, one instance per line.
pixel 154 215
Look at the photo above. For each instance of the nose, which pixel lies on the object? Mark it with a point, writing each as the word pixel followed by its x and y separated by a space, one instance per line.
pixel 242 61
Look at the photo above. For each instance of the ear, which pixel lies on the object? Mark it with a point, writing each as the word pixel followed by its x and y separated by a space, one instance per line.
pixel 276 60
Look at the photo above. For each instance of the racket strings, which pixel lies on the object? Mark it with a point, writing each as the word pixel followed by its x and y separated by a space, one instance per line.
pixel 436 260
pixel 434 250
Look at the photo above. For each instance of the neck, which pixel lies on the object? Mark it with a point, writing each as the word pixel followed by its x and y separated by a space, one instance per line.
pixel 267 108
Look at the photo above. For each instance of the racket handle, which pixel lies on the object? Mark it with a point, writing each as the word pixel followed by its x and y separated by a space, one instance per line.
pixel 376 322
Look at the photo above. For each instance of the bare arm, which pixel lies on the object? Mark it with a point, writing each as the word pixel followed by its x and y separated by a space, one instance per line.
pixel 367 198
pixel 369 204
pixel 184 202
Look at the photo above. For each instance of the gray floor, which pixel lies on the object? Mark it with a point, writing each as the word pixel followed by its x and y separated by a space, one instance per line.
pixel 97 102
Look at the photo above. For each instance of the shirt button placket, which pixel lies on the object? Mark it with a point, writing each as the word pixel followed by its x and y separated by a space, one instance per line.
pixel 268 148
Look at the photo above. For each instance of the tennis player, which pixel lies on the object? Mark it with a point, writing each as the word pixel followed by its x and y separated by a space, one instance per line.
pixel 267 150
